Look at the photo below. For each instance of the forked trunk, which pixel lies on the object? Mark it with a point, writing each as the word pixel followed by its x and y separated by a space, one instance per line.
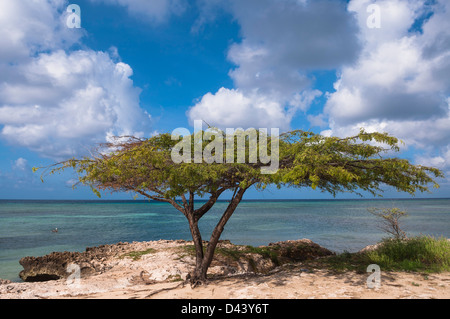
pixel 203 260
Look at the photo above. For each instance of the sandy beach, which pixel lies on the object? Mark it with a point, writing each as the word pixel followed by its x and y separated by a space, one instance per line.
pixel 156 270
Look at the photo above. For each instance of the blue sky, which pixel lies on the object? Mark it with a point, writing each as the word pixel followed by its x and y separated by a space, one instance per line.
pixel 142 67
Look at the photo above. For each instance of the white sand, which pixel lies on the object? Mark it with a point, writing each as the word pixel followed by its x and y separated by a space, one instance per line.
pixel 154 276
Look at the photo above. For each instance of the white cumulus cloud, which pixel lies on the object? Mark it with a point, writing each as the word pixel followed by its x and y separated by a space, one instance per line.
pixel 30 26
pixel 400 83
pixel 282 41
pixel 55 101
pixel 90 97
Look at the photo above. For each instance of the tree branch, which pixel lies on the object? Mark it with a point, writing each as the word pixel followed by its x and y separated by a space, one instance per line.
pixel 183 198
pixel 191 202
pixel 160 199
pixel 210 203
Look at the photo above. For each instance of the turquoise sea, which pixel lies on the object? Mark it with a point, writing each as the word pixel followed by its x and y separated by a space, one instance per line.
pixel 339 225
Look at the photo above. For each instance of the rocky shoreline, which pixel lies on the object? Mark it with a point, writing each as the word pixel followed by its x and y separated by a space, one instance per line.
pixel 229 258
pixel 154 269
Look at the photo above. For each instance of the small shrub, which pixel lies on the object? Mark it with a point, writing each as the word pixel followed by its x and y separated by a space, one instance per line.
pixel 390 220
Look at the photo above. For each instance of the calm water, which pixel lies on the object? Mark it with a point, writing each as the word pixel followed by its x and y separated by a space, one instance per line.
pixel 339 225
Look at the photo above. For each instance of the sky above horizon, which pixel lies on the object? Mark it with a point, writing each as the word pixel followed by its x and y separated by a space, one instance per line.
pixel 138 67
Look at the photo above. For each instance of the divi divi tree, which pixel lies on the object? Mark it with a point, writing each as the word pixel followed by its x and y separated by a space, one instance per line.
pixel 356 164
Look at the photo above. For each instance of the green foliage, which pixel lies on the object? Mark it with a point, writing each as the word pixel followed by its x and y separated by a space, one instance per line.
pixel 349 164
pixel 306 159
pixel 423 253
pixel 136 255
pixel 417 254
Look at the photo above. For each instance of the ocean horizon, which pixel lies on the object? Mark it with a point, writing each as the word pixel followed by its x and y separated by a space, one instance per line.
pixel 337 224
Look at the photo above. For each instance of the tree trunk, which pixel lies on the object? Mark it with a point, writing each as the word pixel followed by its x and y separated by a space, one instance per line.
pixel 199 255
pixel 203 261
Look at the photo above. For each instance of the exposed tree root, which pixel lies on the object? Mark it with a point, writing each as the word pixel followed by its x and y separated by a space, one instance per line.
pixel 182 284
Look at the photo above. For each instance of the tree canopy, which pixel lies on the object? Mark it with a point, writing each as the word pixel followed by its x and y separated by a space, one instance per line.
pixel 356 164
